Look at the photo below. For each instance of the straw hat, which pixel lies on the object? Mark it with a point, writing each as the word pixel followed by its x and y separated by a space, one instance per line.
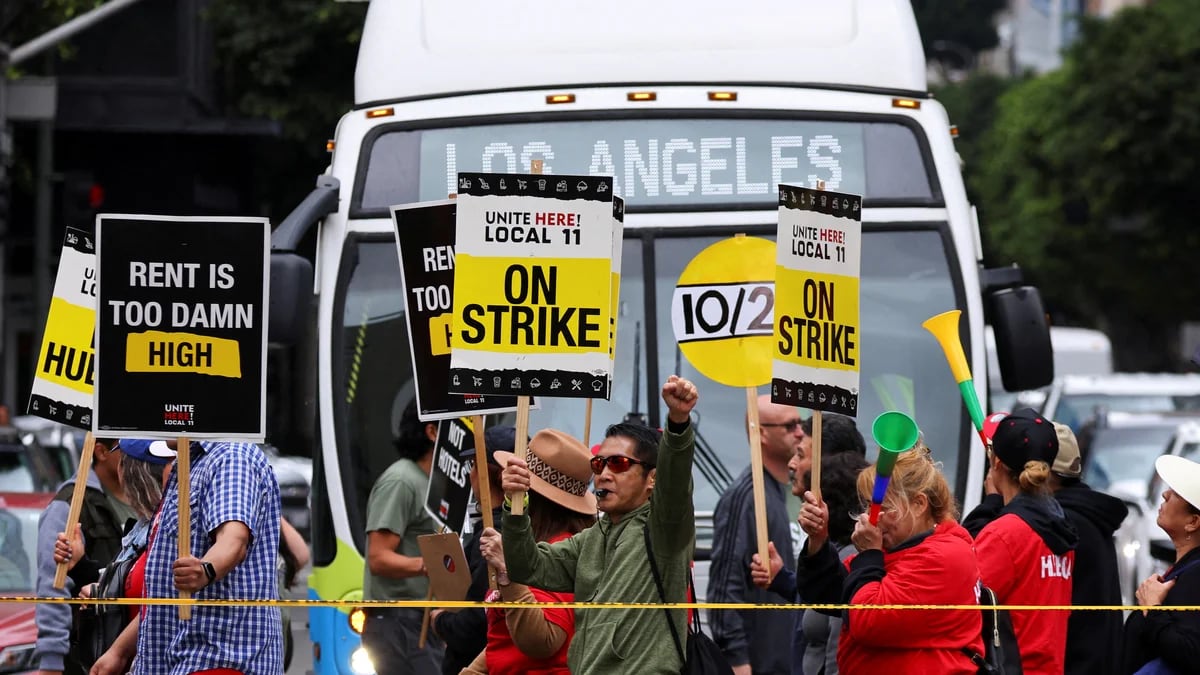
pixel 561 470
pixel 1181 475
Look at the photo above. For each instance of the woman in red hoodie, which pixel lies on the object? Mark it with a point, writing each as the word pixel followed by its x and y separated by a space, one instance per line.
pixel 1027 554
pixel 917 555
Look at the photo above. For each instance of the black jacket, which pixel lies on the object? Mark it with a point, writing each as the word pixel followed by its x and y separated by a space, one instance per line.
pixel 1172 636
pixel 1093 637
pixel 465 631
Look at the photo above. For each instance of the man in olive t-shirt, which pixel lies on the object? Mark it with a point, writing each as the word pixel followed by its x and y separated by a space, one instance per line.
pixel 395 571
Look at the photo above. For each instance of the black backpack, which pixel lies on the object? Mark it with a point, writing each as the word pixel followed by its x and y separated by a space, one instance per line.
pixel 100 625
pixel 702 655
pixel 1000 653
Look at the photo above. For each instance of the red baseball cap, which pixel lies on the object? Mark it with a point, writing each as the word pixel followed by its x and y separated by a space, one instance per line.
pixel 991 422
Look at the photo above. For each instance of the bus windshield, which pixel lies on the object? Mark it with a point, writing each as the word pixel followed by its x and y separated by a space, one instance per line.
pixel 665 164
pixel 906 276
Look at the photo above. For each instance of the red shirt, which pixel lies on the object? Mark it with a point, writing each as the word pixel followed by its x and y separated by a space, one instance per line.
pixel 1016 564
pixel 135 583
pixel 940 570
pixel 503 656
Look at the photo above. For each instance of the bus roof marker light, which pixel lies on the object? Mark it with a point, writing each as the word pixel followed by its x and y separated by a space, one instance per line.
pixel 910 103
pixel 722 95
pixel 330 145
pixel 380 112
pixel 953 131
pixel 641 96
pixel 552 99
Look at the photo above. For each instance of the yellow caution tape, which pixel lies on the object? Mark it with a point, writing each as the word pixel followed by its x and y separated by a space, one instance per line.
pixel 463 604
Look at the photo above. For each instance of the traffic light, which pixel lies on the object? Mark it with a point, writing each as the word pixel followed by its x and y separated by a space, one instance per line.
pixel 82 197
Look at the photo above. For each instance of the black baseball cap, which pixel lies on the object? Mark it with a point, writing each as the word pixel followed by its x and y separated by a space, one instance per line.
pixel 1025 436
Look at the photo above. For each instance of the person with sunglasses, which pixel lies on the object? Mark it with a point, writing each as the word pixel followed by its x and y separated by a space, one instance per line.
pixel 749 639
pixel 643 487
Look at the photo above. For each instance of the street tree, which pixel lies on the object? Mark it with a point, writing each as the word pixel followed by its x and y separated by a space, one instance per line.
pixel 1089 178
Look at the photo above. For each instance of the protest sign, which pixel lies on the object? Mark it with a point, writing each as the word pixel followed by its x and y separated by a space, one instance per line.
pixel 618 248
pixel 449 491
pixel 532 285
pixel 817 349
pixel 180 326
pixel 446 565
pixel 63 381
pixel 722 311
pixel 425 242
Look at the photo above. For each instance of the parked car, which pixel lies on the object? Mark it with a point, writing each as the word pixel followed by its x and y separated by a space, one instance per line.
pixel 27 466
pixel 1075 399
pixel 294 475
pixel 19 514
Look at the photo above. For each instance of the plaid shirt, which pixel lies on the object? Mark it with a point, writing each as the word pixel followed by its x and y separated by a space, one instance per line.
pixel 229 482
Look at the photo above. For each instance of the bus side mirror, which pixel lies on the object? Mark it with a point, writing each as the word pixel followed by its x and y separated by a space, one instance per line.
pixel 291 298
pixel 1022 338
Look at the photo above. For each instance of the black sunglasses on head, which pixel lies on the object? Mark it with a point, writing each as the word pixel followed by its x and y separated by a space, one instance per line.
pixel 618 463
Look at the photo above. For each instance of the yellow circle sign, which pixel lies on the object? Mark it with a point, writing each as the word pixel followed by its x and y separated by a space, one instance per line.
pixel 723 311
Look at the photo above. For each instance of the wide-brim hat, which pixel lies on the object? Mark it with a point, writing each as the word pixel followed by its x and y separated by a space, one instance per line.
pixel 561 470
pixel 1181 475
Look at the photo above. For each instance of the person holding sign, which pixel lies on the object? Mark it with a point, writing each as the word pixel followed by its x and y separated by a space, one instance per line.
pixel 103 516
pixel 644 491
pixel 560 506
pixel 750 638
pixel 1027 555
pixel 395 570
pixel 235 516
pixel 465 631
pixel 918 554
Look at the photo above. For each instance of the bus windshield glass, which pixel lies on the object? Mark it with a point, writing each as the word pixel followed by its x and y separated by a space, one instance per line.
pixel 905 274
pixel 665 164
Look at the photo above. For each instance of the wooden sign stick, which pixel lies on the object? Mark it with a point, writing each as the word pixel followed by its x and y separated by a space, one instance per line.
pixel 485 486
pixel 522 448
pixel 425 619
pixel 85 467
pixel 756 475
pixel 587 425
pixel 815 472
pixel 183 468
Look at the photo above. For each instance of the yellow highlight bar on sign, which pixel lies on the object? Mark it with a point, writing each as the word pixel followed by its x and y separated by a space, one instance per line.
pixel 161 352
pixel 439 334
pixel 66 356
pixel 532 305
pixel 817 319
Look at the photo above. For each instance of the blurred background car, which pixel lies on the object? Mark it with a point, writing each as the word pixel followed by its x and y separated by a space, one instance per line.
pixel 27 466
pixel 1074 400
pixel 18 545
pixel 294 475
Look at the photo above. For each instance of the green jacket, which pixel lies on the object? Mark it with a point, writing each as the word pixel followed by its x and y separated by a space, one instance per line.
pixel 607 563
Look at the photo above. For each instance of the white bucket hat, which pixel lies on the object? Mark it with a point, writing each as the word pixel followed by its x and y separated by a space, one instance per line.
pixel 1181 475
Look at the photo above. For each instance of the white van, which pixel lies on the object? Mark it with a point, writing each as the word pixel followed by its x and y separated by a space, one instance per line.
pixel 1077 351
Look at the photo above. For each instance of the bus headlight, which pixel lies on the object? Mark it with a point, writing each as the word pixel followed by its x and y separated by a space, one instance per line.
pixel 360 662
pixel 358 618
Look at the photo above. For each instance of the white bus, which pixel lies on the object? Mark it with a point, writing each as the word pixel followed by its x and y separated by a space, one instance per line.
pixel 699 108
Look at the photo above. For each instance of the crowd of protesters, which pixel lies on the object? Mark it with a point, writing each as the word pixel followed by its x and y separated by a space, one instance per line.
pixel 617 525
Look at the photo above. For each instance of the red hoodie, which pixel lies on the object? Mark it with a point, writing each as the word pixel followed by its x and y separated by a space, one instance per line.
pixel 1016 563
pixel 940 569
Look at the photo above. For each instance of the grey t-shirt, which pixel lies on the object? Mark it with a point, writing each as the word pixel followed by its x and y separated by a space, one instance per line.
pixel 397 505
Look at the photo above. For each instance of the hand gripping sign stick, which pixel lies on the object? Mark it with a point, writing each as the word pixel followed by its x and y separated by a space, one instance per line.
pixel 895 433
pixel 85 466
pixel 944 327
pixel 485 489
pixel 183 469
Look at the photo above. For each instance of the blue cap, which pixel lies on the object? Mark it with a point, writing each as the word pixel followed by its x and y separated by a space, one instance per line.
pixel 147 450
